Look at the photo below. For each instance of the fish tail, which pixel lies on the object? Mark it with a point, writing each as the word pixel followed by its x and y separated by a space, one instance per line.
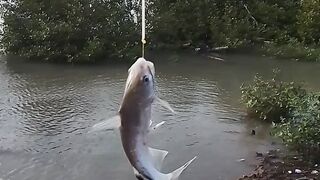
pixel 175 174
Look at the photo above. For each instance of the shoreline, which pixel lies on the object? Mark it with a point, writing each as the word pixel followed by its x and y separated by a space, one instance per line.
pixel 282 165
pixel 212 52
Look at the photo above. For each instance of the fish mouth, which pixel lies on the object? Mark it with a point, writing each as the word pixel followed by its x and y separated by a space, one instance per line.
pixel 136 74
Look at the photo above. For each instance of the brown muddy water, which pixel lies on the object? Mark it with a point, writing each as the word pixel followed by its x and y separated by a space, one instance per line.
pixel 46 111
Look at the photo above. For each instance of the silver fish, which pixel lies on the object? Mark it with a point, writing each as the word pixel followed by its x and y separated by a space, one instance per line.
pixel 134 122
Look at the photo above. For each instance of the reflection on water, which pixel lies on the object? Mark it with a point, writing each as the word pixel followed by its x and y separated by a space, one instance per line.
pixel 46 111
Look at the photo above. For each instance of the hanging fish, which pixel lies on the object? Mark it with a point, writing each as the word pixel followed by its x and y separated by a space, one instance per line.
pixel 134 123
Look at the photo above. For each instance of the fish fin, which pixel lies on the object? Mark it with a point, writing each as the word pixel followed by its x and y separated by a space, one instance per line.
pixel 108 124
pixel 175 174
pixel 165 104
pixel 158 156
pixel 153 128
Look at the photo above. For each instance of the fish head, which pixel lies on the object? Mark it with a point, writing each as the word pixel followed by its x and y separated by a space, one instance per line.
pixel 140 82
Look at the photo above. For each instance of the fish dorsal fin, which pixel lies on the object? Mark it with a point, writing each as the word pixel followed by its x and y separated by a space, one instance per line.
pixel 165 104
pixel 175 174
pixel 108 124
pixel 158 156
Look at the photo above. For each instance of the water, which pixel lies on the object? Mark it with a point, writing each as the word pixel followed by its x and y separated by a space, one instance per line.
pixel 46 111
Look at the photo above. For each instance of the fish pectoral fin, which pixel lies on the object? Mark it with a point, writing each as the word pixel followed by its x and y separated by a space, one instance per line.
pixel 175 174
pixel 165 104
pixel 108 124
pixel 158 156
pixel 153 128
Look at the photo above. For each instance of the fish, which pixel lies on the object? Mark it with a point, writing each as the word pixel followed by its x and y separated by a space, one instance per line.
pixel 134 123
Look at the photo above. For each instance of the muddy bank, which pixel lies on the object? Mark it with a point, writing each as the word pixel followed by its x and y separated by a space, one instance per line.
pixel 276 165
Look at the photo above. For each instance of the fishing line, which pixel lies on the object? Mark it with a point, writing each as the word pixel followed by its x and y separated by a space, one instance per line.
pixel 143 25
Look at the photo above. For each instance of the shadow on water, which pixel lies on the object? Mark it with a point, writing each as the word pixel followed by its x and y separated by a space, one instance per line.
pixel 47 109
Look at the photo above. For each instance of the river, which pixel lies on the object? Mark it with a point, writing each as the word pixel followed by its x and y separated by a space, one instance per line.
pixel 46 111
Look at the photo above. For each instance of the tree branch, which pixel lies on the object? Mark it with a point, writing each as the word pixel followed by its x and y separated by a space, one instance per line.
pixel 252 17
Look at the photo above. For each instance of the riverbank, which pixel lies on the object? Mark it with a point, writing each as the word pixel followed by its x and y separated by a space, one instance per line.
pixel 294 112
pixel 277 165
pixel 293 50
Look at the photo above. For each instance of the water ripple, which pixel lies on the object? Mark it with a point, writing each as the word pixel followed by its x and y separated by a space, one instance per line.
pixel 46 111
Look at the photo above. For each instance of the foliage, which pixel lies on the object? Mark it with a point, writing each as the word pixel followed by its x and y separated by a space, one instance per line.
pixel 292 50
pixel 302 128
pixel 73 31
pixel 211 23
pixel 309 21
pixel 287 28
pixel 295 112
pixel 86 30
pixel 2 10
pixel 271 100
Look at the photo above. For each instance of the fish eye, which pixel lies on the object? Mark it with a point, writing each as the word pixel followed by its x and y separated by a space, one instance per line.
pixel 145 78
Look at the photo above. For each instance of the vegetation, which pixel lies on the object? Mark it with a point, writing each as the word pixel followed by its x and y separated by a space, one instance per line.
pixel 271 100
pixel 73 31
pixel 295 112
pixel 87 30
pixel 302 129
pixel 285 28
